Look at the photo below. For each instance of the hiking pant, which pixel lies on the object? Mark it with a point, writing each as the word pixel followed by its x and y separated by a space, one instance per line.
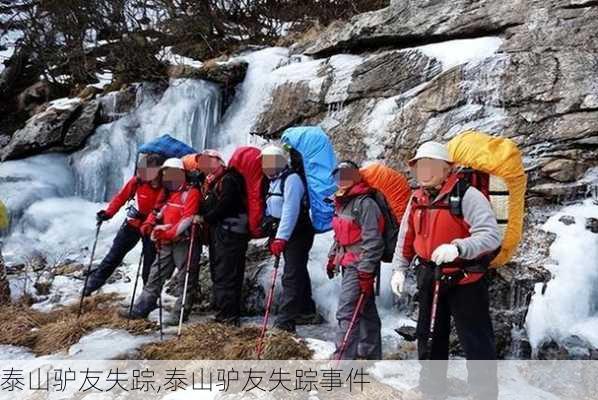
pixel 170 257
pixel 469 307
pixel 296 284
pixel 4 285
pixel 126 238
pixel 227 269
pixel 365 340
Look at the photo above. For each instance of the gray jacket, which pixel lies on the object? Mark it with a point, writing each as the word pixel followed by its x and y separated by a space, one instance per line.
pixel 367 214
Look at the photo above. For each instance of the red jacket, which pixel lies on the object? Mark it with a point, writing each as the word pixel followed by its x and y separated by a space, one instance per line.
pixel 177 211
pixel 431 227
pixel 146 197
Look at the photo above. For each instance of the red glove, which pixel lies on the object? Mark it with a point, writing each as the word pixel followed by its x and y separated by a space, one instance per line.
pixel 331 267
pixel 146 229
pixel 366 283
pixel 277 247
pixel 162 235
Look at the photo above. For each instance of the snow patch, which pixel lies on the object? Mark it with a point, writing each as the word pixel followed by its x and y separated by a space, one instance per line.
pixel 456 52
pixel 105 344
pixel 322 350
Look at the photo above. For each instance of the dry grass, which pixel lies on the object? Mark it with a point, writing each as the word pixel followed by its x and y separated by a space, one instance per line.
pixel 48 333
pixel 220 342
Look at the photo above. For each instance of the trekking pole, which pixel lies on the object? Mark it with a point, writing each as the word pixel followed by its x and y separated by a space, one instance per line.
pixel 135 286
pixel 260 342
pixel 189 257
pixel 161 287
pixel 350 328
pixel 93 250
pixel 430 339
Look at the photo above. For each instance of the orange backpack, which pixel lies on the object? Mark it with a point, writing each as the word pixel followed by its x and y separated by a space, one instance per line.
pixel 392 196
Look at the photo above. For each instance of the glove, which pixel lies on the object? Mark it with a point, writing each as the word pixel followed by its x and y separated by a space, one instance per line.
pixel 146 229
pixel 162 234
pixel 397 282
pixel 331 268
pixel 102 216
pixel 366 283
pixel 444 254
pixel 277 247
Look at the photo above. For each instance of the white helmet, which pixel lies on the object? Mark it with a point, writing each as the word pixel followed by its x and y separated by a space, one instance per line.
pixel 175 163
pixel 214 154
pixel 434 150
pixel 273 150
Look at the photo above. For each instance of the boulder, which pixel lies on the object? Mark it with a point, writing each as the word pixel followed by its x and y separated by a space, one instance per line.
pixel 42 131
pixel 228 74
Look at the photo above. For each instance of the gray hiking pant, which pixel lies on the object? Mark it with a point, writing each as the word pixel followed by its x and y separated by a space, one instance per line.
pixel 169 258
pixel 4 286
pixel 365 341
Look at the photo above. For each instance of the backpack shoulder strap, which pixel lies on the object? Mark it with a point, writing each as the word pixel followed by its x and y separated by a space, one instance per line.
pixel 455 197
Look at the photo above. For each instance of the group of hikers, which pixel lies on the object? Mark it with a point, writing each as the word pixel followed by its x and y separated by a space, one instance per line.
pixel 445 229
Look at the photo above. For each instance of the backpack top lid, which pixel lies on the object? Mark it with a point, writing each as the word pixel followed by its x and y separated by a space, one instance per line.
pixel 499 157
pixel 318 163
pixel 167 146
pixel 392 184
pixel 247 160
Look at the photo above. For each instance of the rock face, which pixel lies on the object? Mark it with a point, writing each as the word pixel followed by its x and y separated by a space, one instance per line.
pixel 420 77
pixel 226 74
pixel 64 125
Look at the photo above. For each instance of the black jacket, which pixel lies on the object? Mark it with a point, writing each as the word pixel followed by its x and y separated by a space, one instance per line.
pixel 227 198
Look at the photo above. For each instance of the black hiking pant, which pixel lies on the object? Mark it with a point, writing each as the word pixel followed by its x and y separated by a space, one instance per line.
pixel 227 251
pixel 468 305
pixel 126 239
pixel 296 283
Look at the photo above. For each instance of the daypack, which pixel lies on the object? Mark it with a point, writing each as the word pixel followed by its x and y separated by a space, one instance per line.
pixel 247 161
pixel 494 166
pixel 318 161
pixel 392 193
pixel 167 146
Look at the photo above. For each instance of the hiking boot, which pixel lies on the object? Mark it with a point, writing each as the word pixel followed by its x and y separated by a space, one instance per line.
pixel 124 313
pixel 288 327
pixel 236 322
pixel 144 306
pixel 174 318
pixel 92 286
pixel 310 319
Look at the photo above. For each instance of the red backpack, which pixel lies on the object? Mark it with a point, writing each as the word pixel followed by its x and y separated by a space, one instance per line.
pixel 247 160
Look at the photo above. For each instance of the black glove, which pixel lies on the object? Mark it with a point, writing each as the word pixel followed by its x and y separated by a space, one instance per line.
pixel 196 178
pixel 102 216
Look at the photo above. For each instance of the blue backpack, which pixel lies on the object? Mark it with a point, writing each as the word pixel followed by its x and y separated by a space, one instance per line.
pixel 167 146
pixel 317 154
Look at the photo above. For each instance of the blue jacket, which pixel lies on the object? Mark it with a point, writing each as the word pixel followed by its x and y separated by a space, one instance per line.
pixel 285 206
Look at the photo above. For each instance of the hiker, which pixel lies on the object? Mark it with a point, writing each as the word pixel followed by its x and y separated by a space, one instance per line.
pixel 433 235
pixel 4 284
pixel 170 229
pixel 145 187
pixel 224 209
pixel 287 224
pixel 357 249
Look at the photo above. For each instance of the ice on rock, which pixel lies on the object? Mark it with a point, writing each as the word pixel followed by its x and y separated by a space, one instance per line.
pixel 569 305
pixel 29 180
pixel 188 110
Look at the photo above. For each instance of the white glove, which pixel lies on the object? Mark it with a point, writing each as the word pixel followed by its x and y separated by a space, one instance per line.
pixel 397 282
pixel 445 253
